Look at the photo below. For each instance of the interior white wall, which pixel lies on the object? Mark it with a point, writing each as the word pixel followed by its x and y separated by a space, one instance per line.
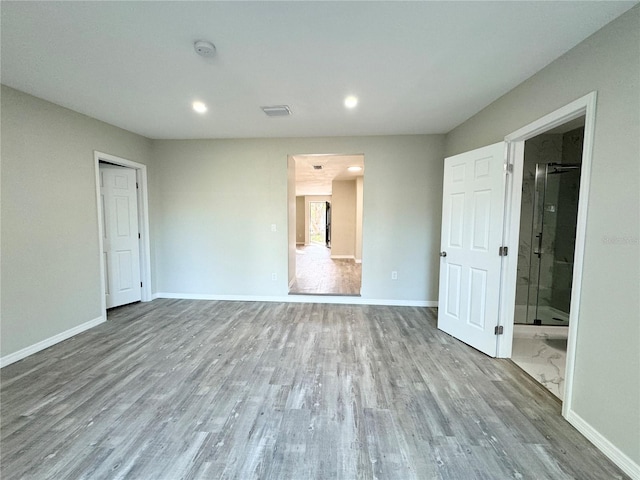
pixel 300 219
pixel 219 198
pixel 606 388
pixel 50 253
pixel 359 210
pixel 291 218
pixel 343 219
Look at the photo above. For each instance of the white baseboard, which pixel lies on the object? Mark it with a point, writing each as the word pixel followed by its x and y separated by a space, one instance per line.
pixel 48 342
pixel 336 299
pixel 626 464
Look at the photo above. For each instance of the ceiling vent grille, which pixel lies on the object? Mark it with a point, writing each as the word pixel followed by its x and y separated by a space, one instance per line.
pixel 277 111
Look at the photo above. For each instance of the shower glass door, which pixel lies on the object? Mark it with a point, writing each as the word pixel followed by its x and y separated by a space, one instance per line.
pixel 555 208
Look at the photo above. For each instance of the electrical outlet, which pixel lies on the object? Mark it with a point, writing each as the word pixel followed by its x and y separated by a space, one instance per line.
pixel 394 275
pixel 273 227
pixel 274 276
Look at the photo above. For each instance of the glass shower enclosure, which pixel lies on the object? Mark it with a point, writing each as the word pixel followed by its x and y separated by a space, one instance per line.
pixel 551 246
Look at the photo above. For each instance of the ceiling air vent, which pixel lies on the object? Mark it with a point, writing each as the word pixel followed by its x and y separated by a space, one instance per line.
pixel 277 111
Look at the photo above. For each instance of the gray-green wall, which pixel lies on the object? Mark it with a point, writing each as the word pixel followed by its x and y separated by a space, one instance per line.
pixel 219 199
pixel 606 390
pixel 300 216
pixel 49 240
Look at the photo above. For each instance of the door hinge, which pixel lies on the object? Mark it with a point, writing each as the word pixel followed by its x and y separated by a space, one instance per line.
pixel 140 283
pixel 503 251
pixel 139 236
pixel 508 167
pixel 137 185
pixel 499 330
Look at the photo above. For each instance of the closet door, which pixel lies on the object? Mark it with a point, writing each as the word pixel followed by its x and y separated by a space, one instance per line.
pixel 120 243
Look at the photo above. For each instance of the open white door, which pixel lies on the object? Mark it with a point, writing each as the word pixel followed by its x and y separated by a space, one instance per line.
pixel 120 229
pixel 472 228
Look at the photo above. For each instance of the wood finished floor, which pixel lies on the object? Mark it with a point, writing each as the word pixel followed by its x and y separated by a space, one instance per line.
pixel 184 389
pixel 318 274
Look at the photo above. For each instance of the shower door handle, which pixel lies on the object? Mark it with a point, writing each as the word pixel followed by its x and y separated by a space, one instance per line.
pixel 538 252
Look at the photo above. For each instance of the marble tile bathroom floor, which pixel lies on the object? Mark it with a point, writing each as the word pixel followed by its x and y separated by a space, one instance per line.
pixel 541 351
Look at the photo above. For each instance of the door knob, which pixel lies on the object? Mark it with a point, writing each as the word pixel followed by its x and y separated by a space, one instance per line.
pixel 443 254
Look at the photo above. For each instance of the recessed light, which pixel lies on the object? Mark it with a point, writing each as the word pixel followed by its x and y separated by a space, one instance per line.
pixel 351 101
pixel 354 169
pixel 199 107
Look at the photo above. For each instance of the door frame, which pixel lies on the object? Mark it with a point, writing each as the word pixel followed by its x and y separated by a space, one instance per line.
pixel 586 106
pixel 143 223
pixel 291 222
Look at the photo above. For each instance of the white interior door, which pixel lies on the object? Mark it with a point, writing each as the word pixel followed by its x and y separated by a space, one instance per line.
pixel 472 227
pixel 120 229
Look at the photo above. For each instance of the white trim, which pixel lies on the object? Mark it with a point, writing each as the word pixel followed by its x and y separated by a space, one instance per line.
pixel 358 260
pixel 291 282
pixel 343 257
pixel 143 223
pixel 626 464
pixel 48 342
pixel 565 114
pixel 509 272
pixel 335 299
pixel 586 106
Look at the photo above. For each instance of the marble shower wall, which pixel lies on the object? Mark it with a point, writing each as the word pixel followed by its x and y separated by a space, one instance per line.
pixel 566 215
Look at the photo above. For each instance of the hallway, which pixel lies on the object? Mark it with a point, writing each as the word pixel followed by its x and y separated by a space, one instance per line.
pixel 318 274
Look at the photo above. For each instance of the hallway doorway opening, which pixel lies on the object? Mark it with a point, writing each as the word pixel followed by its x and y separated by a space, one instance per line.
pixel 325 241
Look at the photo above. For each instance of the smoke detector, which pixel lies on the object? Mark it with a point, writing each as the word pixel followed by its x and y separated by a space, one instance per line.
pixel 204 48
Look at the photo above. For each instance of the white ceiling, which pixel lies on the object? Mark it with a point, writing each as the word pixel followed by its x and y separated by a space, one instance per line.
pixel 310 181
pixel 417 67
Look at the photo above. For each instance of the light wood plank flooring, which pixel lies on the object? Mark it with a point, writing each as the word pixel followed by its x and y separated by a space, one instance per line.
pixel 318 274
pixel 184 389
